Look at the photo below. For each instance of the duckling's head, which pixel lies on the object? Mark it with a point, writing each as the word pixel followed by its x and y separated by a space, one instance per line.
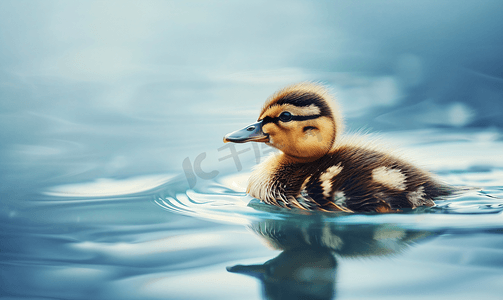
pixel 301 120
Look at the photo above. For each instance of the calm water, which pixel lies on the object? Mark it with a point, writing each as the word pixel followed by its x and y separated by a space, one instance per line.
pixel 152 237
pixel 115 183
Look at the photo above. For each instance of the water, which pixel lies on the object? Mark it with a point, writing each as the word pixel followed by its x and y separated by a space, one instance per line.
pixel 152 237
pixel 115 183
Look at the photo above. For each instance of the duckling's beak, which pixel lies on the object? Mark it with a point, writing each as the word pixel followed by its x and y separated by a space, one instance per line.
pixel 251 133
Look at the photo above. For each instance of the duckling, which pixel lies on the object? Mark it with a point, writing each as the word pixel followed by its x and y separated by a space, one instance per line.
pixel 318 169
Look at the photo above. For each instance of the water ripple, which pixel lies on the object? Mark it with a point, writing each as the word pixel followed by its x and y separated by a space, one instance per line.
pixel 473 209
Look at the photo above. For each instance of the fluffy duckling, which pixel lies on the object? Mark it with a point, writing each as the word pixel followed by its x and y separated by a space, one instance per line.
pixel 316 169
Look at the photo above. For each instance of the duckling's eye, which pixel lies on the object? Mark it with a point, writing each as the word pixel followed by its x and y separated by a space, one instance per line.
pixel 285 116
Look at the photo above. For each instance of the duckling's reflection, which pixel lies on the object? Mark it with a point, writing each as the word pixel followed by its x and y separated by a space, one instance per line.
pixel 307 267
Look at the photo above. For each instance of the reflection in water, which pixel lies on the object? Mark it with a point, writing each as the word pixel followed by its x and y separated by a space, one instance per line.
pixel 303 273
pixel 307 267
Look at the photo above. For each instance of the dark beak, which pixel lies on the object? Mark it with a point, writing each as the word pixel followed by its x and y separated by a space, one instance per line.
pixel 251 133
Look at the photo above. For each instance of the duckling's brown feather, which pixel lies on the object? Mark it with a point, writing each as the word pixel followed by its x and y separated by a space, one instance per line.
pixel 356 182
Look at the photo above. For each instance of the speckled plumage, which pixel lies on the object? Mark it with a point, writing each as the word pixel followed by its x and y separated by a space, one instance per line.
pixel 317 169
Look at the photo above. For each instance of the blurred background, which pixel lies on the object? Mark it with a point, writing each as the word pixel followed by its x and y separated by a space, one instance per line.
pixel 92 89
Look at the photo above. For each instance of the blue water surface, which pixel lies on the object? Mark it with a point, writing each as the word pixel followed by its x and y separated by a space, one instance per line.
pixel 115 182
pixel 152 237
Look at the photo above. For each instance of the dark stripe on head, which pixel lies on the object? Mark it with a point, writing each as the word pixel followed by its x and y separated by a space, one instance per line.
pixel 293 118
pixel 302 99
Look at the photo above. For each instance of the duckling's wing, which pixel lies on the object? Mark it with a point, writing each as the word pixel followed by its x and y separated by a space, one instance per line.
pixel 361 179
